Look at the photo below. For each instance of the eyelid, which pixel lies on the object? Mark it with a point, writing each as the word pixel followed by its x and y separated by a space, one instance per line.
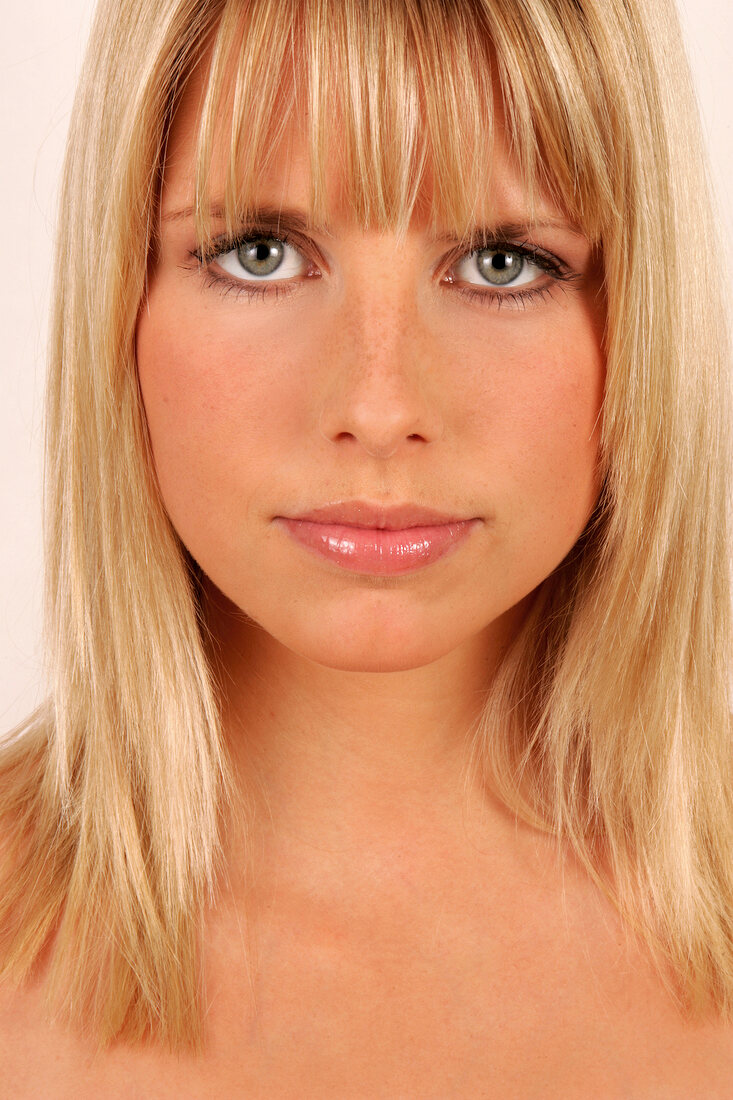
pixel 224 243
pixel 541 257
pixel 292 263
pixel 555 268
pixel 478 240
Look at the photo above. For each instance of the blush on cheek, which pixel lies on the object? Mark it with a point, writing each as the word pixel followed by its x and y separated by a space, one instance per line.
pixel 557 427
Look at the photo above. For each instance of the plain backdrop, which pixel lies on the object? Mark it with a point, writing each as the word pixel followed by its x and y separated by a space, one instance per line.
pixel 40 55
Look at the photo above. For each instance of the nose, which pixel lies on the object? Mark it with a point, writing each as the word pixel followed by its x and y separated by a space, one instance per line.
pixel 381 390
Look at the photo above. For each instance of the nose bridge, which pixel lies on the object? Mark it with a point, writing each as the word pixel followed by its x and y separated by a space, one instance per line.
pixel 379 387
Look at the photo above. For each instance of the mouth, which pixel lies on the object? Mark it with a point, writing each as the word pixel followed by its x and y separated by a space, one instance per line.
pixel 383 517
pixel 378 540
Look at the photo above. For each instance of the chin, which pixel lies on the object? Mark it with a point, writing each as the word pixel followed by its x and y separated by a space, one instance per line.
pixel 383 646
pixel 372 659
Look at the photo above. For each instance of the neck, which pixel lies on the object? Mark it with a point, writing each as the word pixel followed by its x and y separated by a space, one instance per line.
pixel 332 754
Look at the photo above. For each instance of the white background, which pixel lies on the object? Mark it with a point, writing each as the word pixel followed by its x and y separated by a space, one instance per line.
pixel 40 53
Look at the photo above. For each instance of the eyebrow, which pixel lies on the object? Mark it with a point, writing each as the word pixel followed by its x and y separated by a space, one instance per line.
pixel 508 230
pixel 288 217
pixel 281 217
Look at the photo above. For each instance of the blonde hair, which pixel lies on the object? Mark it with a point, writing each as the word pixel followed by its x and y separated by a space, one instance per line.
pixel 609 721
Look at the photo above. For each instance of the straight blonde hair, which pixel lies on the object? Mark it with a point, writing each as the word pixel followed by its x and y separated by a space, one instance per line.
pixel 608 724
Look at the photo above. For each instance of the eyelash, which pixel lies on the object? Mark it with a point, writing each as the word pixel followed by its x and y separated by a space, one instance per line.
pixel 519 298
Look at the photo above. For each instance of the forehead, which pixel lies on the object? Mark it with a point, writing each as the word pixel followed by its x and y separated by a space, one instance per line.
pixel 394 112
pixel 286 179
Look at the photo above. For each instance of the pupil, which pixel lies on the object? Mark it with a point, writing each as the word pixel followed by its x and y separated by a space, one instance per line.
pixel 261 256
pixel 500 268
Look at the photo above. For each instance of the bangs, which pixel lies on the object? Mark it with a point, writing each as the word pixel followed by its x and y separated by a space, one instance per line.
pixel 400 99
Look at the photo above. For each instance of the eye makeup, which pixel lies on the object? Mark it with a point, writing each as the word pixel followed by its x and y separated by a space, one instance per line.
pixel 508 272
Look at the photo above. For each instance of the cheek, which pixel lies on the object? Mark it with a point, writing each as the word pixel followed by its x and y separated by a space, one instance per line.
pixel 211 401
pixel 557 423
pixel 541 421
pixel 231 423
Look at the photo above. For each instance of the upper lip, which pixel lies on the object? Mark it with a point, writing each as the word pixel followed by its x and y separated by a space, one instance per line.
pixel 390 517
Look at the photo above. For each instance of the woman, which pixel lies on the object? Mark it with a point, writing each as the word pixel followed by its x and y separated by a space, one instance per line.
pixel 389 745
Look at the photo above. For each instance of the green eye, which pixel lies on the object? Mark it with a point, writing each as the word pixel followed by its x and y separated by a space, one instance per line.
pixel 262 259
pixel 262 256
pixel 500 268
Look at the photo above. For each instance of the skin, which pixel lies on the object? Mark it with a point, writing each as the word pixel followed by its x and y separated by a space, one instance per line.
pixel 399 932
pixel 376 379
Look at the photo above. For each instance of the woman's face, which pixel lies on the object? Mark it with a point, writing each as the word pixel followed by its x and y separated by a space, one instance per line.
pixel 337 366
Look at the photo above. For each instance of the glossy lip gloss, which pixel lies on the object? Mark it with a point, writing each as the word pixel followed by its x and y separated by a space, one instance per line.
pixel 397 540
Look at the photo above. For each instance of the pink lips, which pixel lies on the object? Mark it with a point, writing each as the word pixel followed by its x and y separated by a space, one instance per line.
pixel 378 540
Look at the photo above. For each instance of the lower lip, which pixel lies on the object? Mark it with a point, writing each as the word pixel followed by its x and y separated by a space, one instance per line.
pixel 376 551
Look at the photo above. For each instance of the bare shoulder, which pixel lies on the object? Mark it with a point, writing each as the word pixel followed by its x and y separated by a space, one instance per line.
pixel 436 989
pixel 618 1011
pixel 20 1027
